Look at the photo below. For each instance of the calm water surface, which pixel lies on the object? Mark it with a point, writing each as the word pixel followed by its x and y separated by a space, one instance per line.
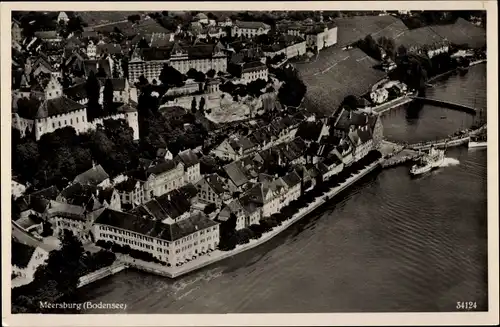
pixel 415 123
pixel 390 243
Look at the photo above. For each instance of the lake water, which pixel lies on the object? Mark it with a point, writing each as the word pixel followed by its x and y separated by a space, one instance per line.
pixel 390 243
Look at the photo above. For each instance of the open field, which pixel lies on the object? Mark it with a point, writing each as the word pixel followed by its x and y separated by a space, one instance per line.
pixel 93 18
pixel 336 74
pixel 351 29
pixel 462 32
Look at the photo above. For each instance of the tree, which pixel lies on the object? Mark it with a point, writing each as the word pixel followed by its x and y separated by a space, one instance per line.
pixel 202 105
pixel 200 77
pixel 169 76
pixel 402 50
pixel 124 63
pixel 92 87
pixel 211 73
pixel 193 105
pixel 254 87
pixel 74 24
pixel 370 47
pixel 192 73
pixel 143 44
pixel 134 18
pixel 107 95
pixel 101 73
pixel 350 102
pixel 209 208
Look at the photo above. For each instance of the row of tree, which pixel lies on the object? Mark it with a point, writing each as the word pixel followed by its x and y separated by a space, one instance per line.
pixel 230 237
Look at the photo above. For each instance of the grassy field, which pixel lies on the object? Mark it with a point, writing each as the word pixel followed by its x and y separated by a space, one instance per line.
pixel 93 18
pixel 462 32
pixel 351 29
pixel 334 75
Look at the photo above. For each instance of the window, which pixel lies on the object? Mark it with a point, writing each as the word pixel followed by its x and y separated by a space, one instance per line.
pixel 59 123
pixel 53 125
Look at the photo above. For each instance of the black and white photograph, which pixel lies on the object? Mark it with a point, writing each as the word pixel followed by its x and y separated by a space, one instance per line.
pixel 249 161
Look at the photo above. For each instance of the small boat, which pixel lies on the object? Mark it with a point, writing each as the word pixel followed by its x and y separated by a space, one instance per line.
pixel 478 142
pixel 432 160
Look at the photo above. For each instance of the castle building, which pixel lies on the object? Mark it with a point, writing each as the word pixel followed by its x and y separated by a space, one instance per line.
pixel 203 57
pixel 57 111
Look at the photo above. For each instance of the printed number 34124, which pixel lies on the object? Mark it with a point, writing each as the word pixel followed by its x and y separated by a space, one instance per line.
pixel 466 305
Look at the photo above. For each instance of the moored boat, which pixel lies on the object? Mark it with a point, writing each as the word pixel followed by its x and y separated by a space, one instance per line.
pixel 478 141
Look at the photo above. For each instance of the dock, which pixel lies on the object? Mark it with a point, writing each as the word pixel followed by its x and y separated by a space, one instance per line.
pixel 401 157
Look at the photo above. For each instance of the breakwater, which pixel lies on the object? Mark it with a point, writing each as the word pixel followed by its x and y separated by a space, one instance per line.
pixel 446 104
pixel 447 142
pixel 116 267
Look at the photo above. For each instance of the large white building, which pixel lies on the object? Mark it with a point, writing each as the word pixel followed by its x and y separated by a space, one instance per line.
pixel 57 111
pixel 163 178
pixel 173 243
pixel 249 29
pixel 253 71
pixel 149 62
pixel 290 49
pixel 191 165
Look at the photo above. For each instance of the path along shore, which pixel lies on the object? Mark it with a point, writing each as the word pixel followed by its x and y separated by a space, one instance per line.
pixel 218 255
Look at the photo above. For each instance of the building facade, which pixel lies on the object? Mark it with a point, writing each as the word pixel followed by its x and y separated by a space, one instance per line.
pixel 249 29
pixel 163 178
pixel 150 62
pixel 199 236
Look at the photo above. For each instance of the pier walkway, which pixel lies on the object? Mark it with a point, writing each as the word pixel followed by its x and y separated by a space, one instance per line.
pixel 446 104
pixel 448 142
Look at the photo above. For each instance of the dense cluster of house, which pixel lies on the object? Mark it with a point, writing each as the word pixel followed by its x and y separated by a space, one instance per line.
pixel 162 207
pixel 50 71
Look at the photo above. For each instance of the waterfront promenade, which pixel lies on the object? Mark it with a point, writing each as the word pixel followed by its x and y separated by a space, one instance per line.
pixel 218 255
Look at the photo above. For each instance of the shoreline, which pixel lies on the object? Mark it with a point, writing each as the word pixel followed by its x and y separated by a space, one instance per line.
pixel 408 98
pixel 218 255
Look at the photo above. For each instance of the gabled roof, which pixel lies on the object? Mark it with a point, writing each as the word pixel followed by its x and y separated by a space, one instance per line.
pixel 65 210
pixel 188 158
pixel 155 228
pixel 161 168
pixel 93 176
pixel 291 179
pixel 253 67
pixel 106 194
pixel 49 193
pixel 215 183
pixel 251 25
pixel 78 194
pixel 127 185
pixel 235 172
pixel 76 92
pixel 233 207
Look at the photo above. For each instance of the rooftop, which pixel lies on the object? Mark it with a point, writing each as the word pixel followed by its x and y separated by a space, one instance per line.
pixel 93 176
pixel 155 228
